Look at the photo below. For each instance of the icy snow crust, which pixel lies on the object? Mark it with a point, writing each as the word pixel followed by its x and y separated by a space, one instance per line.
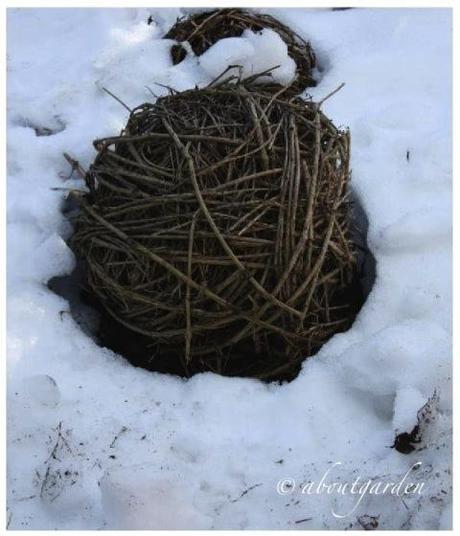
pixel 95 443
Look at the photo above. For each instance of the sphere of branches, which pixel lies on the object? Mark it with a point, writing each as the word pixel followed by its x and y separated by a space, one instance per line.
pixel 216 231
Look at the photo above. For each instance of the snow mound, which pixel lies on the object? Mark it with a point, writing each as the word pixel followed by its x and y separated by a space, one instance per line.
pixel 254 52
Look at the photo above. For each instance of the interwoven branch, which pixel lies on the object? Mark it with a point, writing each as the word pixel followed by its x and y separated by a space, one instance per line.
pixel 217 228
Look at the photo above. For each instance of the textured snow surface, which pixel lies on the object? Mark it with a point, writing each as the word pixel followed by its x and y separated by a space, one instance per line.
pixel 96 443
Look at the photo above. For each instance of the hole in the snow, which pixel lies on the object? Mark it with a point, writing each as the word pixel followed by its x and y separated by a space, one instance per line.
pixel 200 258
pixel 94 321
pixel 178 53
pixel 54 127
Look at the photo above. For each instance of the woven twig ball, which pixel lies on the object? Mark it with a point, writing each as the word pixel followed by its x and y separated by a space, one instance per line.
pixel 216 232
pixel 202 30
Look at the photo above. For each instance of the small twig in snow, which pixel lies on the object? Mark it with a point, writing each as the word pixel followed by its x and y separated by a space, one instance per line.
pixel 330 94
pixel 303 520
pixel 245 492
pixel 117 99
pixel 115 439
pixel 75 167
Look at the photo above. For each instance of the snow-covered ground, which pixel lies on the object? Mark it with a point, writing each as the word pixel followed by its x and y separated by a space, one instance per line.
pixel 96 443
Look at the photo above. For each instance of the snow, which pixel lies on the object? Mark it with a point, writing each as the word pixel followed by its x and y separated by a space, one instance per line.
pixel 43 390
pixel 135 498
pixel 254 52
pixel 96 443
